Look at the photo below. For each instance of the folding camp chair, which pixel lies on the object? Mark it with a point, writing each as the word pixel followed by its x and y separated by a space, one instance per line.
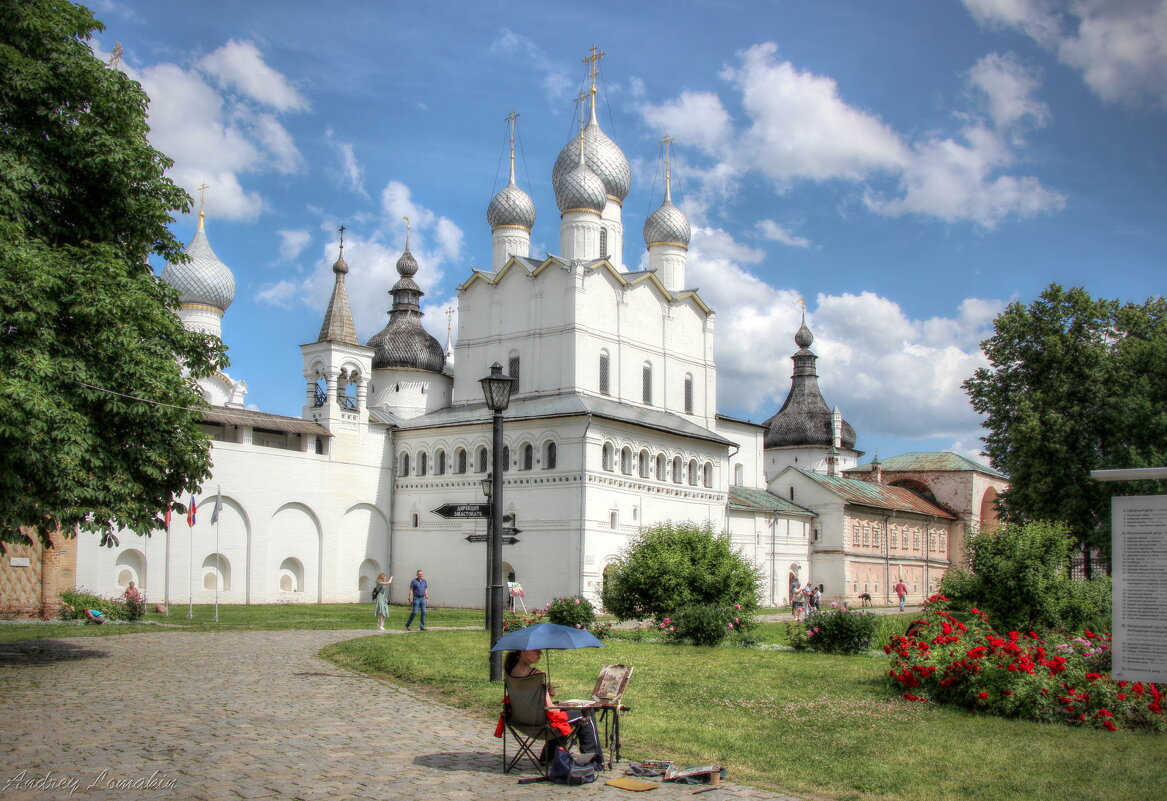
pixel 525 718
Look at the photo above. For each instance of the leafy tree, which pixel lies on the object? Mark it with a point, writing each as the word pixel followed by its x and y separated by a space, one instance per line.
pixel 673 565
pixel 99 427
pixel 1019 576
pixel 1075 384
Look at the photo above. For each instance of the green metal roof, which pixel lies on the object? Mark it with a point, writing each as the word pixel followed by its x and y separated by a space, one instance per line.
pixel 747 499
pixel 881 496
pixel 929 461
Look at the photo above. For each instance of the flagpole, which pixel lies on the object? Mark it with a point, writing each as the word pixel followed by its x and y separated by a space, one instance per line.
pixel 218 556
pixel 190 521
pixel 166 577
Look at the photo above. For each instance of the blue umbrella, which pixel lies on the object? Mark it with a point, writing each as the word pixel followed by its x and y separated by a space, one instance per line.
pixel 547 636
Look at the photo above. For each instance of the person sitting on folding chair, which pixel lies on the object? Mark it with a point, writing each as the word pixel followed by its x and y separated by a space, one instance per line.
pixel 582 722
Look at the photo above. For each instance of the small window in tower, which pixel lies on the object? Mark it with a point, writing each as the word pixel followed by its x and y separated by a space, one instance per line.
pixel 605 385
pixel 646 384
pixel 688 394
pixel 603 243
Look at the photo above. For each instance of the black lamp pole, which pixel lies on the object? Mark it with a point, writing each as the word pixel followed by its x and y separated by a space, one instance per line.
pixel 497 389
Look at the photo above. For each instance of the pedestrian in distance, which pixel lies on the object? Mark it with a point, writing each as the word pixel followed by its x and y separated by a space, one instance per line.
pixel 381 599
pixel 902 593
pixel 419 593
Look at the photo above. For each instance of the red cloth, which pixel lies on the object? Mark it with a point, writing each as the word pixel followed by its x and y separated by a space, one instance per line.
pixel 557 718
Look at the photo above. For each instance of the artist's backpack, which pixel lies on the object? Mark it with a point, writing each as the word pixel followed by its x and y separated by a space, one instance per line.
pixel 569 768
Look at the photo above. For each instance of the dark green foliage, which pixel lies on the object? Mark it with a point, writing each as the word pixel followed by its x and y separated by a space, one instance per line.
pixel 840 631
pixel 1020 578
pixel 706 624
pixel 673 565
pixel 575 611
pixel 1075 384
pixel 83 203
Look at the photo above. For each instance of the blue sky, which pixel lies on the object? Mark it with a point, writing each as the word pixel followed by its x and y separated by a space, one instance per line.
pixel 907 167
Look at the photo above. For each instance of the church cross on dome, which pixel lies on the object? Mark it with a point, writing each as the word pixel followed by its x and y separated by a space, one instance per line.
pixel 668 140
pixel 202 203
pixel 511 121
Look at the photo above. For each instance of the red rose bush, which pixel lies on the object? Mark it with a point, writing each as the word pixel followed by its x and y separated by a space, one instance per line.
pixel 1020 675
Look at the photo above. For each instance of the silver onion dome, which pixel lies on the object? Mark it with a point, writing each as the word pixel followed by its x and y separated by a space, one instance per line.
pixel 204 279
pixel 580 188
pixel 407 264
pixel 511 207
pixel 602 155
pixel 404 342
pixel 667 224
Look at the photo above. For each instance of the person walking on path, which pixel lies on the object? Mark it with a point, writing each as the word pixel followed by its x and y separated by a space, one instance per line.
pixel 381 598
pixel 419 593
pixel 902 593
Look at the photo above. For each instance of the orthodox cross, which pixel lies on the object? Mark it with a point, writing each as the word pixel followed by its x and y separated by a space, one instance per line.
pixel 341 240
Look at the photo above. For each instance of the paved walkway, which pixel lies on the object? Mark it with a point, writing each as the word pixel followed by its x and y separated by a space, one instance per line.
pixel 243 715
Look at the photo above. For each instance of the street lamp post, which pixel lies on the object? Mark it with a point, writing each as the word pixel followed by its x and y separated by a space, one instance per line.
pixel 496 387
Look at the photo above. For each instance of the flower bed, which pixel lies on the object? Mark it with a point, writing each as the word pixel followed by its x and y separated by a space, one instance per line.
pixel 1020 675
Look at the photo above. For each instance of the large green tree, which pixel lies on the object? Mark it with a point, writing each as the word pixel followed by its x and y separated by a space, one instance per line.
pixel 98 422
pixel 1074 384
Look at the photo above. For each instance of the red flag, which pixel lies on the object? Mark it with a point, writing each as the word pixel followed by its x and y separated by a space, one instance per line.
pixel 190 513
pixel 166 517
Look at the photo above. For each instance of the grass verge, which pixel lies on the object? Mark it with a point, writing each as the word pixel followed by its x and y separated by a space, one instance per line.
pixel 802 723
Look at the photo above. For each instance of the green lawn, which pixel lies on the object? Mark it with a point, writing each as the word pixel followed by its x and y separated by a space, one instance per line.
pixel 803 723
pixel 256 616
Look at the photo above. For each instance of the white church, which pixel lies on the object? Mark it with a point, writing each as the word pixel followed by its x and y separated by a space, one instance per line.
pixel 612 426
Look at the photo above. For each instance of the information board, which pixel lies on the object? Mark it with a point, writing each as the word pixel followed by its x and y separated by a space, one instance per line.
pixel 1139 571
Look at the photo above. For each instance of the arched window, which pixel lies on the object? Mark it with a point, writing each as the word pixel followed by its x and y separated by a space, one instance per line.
pixel 481 460
pixel 460 460
pixel 404 467
pixel 549 455
pixel 440 463
pixel 739 475
pixel 677 469
pixel 660 467
pixel 646 384
pixel 603 243
pixel 605 382
pixel 625 460
pixel 688 394
pixel 608 457
pixel 707 478
pixel 528 456
pixel 506 457
pixel 513 366
pixel 693 472
pixel 422 463
pixel 642 464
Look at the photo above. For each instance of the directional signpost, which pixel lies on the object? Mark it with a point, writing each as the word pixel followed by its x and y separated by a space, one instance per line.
pixel 460 511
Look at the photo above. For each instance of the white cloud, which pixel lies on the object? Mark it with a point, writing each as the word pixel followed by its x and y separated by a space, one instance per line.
pixel 292 243
pixel 956 181
pixel 240 65
pixel 694 118
pixel 1120 46
pixel 780 233
pixel 352 174
pixel 534 58
pixel 889 374
pixel 1009 86
pixel 799 128
pixel 216 136
pixel 372 256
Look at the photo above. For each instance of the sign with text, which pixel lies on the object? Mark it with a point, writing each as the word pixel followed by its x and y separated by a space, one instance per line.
pixel 454 511
pixel 1139 570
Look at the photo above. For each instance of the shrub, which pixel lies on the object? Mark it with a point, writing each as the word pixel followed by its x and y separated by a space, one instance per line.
pixel 1019 675
pixel 515 620
pixel 1019 575
pixel 840 630
pixel 703 624
pixel 674 565
pixel 74 604
pixel 575 611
